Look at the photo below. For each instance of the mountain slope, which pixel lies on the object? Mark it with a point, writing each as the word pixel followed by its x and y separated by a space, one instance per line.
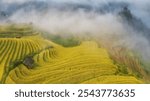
pixel 86 63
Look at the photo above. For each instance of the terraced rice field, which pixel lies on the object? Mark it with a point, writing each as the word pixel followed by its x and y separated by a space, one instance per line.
pixel 12 49
pixel 55 64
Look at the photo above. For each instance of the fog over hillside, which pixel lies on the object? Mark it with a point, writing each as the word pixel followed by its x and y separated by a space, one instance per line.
pixel 127 19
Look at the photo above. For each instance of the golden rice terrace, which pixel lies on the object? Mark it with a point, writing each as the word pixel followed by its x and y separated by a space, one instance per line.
pixel 31 59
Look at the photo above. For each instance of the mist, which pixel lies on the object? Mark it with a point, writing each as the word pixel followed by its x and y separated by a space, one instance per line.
pixel 97 18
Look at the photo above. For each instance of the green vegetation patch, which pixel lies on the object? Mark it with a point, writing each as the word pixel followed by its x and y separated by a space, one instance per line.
pixel 64 40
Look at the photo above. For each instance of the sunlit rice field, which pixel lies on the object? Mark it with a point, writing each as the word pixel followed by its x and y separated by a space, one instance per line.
pixel 55 64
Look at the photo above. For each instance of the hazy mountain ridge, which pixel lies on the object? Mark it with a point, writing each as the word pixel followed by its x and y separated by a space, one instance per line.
pixel 39 6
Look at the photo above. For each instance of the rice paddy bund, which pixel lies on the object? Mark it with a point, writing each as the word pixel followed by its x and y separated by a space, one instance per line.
pixel 35 60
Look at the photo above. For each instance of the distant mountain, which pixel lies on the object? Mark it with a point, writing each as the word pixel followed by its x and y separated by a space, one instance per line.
pixel 40 6
pixel 134 22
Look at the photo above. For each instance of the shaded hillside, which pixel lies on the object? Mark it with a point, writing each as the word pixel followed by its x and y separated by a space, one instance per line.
pixel 134 23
